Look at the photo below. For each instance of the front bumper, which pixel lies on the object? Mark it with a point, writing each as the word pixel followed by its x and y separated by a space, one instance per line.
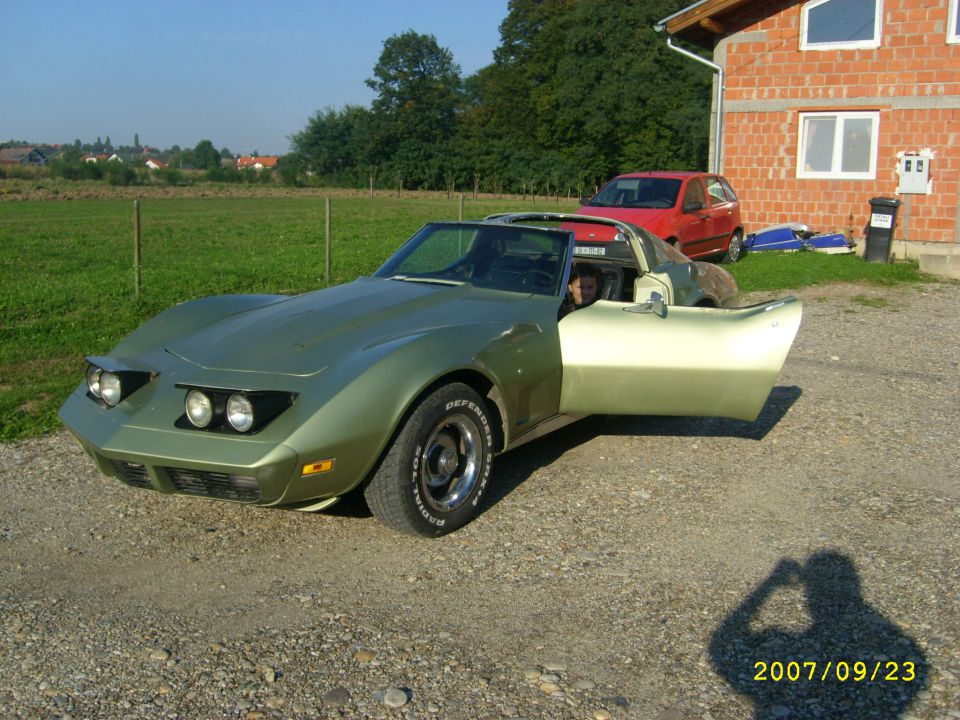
pixel 240 469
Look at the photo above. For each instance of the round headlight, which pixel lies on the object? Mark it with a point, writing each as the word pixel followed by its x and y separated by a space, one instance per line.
pixel 199 408
pixel 111 390
pixel 93 380
pixel 239 413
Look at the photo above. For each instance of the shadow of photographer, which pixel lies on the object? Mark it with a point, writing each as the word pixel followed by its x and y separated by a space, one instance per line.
pixel 848 662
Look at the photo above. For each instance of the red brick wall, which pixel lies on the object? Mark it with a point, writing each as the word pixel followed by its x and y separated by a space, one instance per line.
pixel 914 63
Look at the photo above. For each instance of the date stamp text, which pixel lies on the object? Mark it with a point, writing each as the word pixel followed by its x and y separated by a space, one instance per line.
pixel 830 671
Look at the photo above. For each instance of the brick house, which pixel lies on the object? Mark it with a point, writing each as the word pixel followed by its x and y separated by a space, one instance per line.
pixel 22 156
pixel 824 101
pixel 257 163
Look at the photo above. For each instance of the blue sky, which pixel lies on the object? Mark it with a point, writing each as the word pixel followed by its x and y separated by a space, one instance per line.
pixel 243 74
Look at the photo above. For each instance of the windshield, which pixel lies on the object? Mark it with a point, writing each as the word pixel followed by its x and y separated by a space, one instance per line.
pixel 501 257
pixel 643 192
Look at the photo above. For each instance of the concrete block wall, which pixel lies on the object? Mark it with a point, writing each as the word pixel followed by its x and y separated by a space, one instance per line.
pixel 912 80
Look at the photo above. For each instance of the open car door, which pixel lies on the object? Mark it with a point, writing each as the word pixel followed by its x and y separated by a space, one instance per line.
pixel 656 359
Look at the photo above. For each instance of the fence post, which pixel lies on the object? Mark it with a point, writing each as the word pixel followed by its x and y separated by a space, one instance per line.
pixel 461 208
pixel 328 244
pixel 136 250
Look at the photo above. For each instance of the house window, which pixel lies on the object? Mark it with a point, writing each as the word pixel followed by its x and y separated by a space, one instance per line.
pixel 953 30
pixel 840 145
pixel 840 24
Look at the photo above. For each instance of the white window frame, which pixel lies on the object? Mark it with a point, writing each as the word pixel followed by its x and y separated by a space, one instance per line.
pixel 837 159
pixel 874 42
pixel 953 36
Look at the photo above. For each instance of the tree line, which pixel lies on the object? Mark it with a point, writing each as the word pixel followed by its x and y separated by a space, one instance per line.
pixel 579 90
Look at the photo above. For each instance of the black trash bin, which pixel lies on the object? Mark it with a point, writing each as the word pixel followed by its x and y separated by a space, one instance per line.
pixel 883 219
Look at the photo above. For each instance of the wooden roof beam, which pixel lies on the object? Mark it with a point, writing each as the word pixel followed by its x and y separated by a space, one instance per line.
pixel 711 25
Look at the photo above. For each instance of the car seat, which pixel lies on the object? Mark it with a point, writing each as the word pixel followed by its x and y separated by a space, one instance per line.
pixel 611 283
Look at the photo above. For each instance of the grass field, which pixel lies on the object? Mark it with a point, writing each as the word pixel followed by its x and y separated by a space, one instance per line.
pixel 67 278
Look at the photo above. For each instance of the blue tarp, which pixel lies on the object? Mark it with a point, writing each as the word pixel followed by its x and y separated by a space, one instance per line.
pixel 796 236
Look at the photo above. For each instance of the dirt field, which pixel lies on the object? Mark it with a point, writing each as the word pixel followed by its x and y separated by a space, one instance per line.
pixel 803 566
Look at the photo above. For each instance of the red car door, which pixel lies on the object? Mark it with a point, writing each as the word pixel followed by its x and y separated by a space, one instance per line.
pixel 695 224
pixel 722 214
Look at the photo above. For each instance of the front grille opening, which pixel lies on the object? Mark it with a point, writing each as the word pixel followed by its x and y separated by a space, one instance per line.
pixel 214 484
pixel 132 473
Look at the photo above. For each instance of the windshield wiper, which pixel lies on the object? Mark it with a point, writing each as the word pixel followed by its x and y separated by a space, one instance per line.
pixel 427 280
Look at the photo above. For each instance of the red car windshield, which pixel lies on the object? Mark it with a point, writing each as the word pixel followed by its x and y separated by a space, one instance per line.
pixel 639 192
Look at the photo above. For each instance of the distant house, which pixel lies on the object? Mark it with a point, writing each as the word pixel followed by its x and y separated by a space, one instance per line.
pixel 155 164
pixel 99 157
pixel 22 156
pixel 257 163
pixel 825 104
pixel 115 158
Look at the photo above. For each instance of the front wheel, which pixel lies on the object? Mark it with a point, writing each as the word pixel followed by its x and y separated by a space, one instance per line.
pixel 432 478
pixel 734 249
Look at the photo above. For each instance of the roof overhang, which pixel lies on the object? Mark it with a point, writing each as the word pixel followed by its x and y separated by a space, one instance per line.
pixel 701 22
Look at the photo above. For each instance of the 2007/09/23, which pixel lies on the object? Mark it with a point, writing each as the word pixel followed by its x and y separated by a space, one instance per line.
pixel 794 671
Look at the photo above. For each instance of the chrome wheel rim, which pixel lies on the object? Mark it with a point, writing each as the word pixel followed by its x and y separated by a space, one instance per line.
pixel 736 247
pixel 450 463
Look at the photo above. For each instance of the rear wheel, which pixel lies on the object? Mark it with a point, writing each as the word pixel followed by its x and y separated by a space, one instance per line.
pixel 734 249
pixel 432 478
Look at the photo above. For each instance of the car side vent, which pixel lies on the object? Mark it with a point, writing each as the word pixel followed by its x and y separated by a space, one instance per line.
pixel 215 485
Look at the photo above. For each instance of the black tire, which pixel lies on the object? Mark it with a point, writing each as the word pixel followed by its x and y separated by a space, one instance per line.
pixel 433 475
pixel 734 248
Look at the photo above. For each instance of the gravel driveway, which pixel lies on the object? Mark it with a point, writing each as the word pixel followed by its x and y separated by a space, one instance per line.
pixel 622 568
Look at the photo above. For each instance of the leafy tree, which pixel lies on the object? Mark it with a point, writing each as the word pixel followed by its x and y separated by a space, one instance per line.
pixel 418 92
pixel 590 81
pixel 170 176
pixel 224 174
pixel 579 90
pixel 205 156
pixel 336 145
pixel 119 173
pixel 291 170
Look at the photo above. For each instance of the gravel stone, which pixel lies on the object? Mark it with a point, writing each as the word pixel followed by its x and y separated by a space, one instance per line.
pixel 644 584
pixel 337 696
pixel 395 698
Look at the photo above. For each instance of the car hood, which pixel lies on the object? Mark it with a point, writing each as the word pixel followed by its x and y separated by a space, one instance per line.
pixel 644 217
pixel 307 333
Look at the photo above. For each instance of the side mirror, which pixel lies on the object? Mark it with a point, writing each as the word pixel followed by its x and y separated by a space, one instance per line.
pixel 585 200
pixel 657 304
pixel 654 306
pixel 692 207
pixel 664 266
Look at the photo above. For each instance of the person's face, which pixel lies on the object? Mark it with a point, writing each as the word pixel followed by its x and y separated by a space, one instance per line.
pixel 583 289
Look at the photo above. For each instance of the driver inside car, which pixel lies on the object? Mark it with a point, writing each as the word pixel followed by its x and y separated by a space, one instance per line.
pixel 582 289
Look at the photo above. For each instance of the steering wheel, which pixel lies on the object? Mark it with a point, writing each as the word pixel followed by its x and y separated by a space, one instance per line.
pixel 530 279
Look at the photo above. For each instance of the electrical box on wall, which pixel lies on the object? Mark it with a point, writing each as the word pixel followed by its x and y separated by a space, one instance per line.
pixel 914 174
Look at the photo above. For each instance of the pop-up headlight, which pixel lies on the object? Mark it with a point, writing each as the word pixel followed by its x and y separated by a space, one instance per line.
pixel 110 383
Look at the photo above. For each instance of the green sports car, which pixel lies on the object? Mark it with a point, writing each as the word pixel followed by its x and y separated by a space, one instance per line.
pixel 406 384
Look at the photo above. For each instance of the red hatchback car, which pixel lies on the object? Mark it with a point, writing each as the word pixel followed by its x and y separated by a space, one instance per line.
pixel 697 212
